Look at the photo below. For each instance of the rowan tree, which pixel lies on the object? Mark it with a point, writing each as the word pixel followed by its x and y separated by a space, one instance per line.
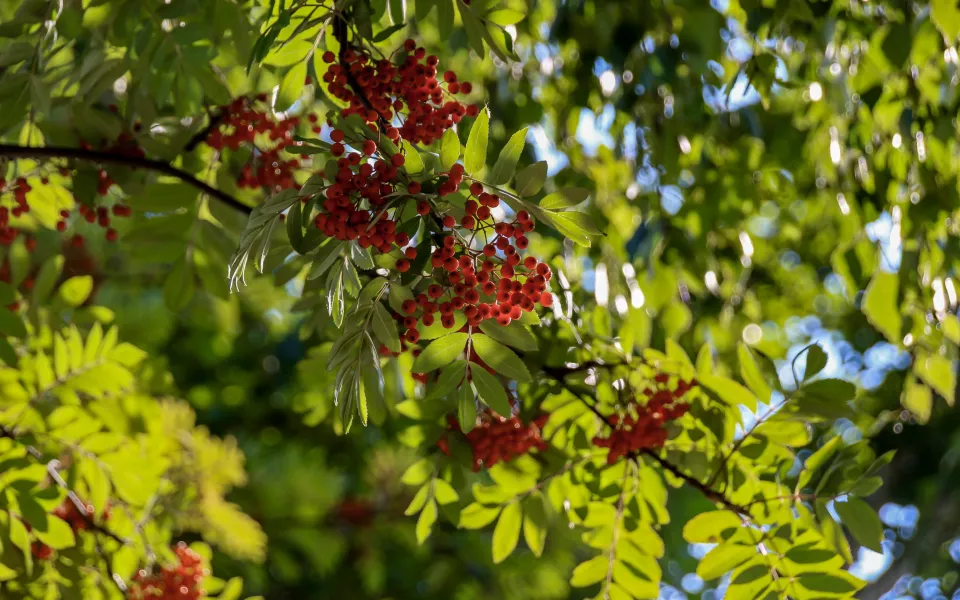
pixel 548 334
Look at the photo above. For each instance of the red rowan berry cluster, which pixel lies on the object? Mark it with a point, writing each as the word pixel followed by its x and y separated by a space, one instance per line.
pixel 499 439
pixel 180 582
pixel 357 200
pixel 19 187
pixel 377 89
pixel 69 512
pixel 490 282
pixel 643 425
pixel 101 215
pixel 246 122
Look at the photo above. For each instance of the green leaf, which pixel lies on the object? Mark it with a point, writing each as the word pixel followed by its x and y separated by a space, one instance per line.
pixel 723 559
pixel 475 156
pixel 232 590
pixel 506 164
pixel 418 473
pixel 816 361
pixel 294 219
pixel 11 324
pixel 7 354
pixel 574 225
pixel 751 374
pixel 179 285
pixel 504 16
pixel 8 293
pixel 386 33
pixel 437 329
pixel 530 179
pixel 477 516
pixel 838 582
pixel 502 359
pixel 291 87
pixel 564 199
pixel 414 163
pixel 474 30
pixel 817 460
pixel 441 352
pixel 918 399
pixel 515 334
pixel 57 534
pixel 938 372
pixel 867 486
pixel 46 279
pixel 946 16
pixel 398 11
pixel 490 390
pixel 76 290
pixel 880 305
pixel 808 556
pixel 324 259
pixel 449 149
pixel 507 532
pixel 385 328
pixel 444 492
pixel 590 572
pixel 710 527
pixel 535 522
pixel 832 532
pixel 425 523
pixel 729 391
pixel 445 18
pixel 419 499
pixel 466 408
pixel 862 522
pixel 833 390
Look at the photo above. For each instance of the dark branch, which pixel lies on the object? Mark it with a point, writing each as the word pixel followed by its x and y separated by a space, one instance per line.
pixel 198 138
pixel 708 492
pixel 53 470
pixel 99 156
pixel 557 373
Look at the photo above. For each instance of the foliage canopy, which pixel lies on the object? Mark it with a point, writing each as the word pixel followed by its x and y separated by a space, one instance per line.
pixel 566 284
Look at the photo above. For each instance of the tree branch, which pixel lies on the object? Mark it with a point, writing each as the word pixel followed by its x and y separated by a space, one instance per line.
pixel 704 488
pixel 53 470
pixel 198 138
pixel 100 156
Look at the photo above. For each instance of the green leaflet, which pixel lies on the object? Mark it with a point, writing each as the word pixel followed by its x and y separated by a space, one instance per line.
pixel 506 534
pixel 506 164
pixel 500 358
pixel 440 352
pixel 475 156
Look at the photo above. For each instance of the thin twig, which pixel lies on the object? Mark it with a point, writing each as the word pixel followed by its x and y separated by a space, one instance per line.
pixel 100 156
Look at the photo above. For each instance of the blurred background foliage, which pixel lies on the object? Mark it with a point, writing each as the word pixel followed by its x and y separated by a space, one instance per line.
pixel 776 173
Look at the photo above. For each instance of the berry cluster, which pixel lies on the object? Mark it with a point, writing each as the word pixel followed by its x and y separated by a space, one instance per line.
pixel 644 426
pixel 69 512
pixel 249 122
pixel 377 89
pixel 475 264
pixel 180 582
pixel 357 200
pixel 499 439
pixel 484 281
pixel 19 187
pixel 77 521
pixel 101 215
